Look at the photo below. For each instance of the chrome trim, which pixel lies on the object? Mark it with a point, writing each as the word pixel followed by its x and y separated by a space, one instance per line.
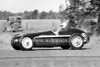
pixel 85 36
pixel 15 40
pixel 44 36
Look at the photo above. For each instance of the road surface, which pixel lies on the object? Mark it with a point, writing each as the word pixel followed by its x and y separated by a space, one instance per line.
pixel 89 56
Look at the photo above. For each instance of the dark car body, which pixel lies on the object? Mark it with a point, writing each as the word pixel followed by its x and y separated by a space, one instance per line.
pixel 50 39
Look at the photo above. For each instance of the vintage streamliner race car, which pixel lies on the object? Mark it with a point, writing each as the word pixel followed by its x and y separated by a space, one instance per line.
pixel 71 38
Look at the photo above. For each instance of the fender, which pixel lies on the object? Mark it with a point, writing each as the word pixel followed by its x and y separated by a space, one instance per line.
pixel 70 31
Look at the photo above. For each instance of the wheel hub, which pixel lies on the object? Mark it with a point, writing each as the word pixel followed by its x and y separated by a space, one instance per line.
pixel 77 41
pixel 27 42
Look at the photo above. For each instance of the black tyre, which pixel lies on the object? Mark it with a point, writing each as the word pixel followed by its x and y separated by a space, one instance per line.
pixel 65 47
pixel 15 45
pixel 26 43
pixel 76 41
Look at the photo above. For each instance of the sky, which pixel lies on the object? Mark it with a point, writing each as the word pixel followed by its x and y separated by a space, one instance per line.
pixel 15 6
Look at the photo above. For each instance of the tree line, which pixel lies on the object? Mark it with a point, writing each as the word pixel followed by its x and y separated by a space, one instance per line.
pixel 35 14
pixel 84 13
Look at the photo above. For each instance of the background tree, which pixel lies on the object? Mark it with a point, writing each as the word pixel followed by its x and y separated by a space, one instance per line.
pixel 30 14
pixel 83 13
pixel 96 5
pixel 34 14
pixel 43 15
pixel 5 14
pixel 52 15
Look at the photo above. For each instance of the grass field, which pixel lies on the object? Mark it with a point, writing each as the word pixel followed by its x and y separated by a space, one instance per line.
pixel 36 24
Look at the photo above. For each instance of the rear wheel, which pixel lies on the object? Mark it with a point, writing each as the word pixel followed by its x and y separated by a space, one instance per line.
pixel 26 43
pixel 76 41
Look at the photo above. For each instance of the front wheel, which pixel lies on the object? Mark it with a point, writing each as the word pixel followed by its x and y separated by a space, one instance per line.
pixel 26 43
pixel 76 41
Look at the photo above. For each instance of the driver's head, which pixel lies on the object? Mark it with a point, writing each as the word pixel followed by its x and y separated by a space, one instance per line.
pixel 65 23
